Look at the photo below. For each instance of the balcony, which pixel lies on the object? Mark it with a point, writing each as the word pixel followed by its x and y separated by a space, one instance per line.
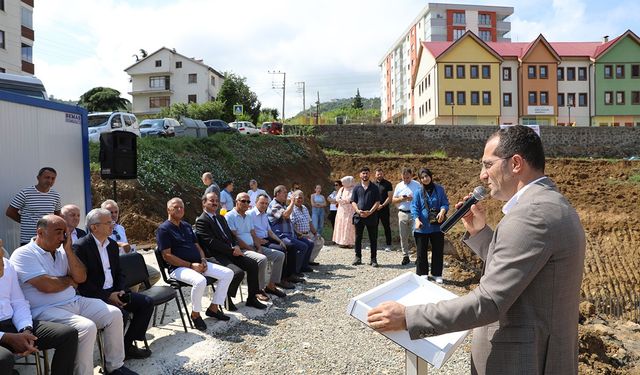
pixel 28 67
pixel 503 26
pixel 152 90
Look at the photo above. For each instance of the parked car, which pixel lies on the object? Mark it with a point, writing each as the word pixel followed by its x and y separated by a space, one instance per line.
pixel 23 85
pixel 245 127
pixel 219 126
pixel 271 127
pixel 106 122
pixel 158 127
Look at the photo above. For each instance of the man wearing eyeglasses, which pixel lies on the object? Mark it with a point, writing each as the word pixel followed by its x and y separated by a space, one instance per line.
pixel 525 310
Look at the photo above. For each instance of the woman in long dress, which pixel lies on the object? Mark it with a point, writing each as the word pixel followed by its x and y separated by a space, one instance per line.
pixel 344 232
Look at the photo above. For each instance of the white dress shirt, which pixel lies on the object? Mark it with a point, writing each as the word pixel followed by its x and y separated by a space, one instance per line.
pixel 13 305
pixel 514 200
pixel 106 265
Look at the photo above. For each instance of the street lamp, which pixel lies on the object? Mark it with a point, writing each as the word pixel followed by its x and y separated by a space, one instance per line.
pixel 569 105
pixel 452 114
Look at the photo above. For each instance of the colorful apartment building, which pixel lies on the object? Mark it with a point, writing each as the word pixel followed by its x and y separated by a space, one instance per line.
pixel 541 82
pixel 436 22
pixel 16 37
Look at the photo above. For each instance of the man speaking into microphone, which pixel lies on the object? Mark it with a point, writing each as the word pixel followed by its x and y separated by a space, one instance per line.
pixel 525 309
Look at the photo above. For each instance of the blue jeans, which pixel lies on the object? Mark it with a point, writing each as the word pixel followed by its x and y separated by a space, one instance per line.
pixel 317 218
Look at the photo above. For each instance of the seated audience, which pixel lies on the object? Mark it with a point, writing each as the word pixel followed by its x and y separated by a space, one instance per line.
pixel 303 226
pixel 71 214
pixel 279 216
pixel 49 273
pixel 105 281
pixel 180 249
pixel 21 335
pixel 217 241
pixel 241 226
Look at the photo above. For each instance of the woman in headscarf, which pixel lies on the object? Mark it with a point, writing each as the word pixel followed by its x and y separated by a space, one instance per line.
pixel 429 209
pixel 344 232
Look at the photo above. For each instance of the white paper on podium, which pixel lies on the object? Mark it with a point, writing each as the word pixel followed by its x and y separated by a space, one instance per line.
pixel 410 289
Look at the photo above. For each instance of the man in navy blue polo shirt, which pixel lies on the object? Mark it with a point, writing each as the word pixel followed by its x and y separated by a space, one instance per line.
pixel 365 199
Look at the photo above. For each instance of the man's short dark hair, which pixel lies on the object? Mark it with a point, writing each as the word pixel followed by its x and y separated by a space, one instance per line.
pixel 47 169
pixel 226 183
pixel 365 169
pixel 379 169
pixel 262 195
pixel 521 140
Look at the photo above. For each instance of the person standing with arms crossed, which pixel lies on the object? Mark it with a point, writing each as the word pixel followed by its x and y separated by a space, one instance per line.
pixel 525 310
pixel 365 199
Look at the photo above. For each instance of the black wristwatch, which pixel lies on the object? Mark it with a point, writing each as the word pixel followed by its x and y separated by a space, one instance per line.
pixel 27 328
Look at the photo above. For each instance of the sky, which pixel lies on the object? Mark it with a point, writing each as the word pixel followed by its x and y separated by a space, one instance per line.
pixel 333 46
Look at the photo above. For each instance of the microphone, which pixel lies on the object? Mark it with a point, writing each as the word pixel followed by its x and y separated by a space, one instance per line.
pixel 478 194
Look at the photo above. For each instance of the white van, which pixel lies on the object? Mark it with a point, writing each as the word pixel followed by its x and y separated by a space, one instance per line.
pixel 105 122
pixel 23 85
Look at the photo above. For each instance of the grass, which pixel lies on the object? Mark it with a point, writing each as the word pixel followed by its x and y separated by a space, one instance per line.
pixel 635 178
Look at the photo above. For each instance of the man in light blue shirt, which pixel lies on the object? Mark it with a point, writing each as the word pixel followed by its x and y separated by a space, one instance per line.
pixel 402 196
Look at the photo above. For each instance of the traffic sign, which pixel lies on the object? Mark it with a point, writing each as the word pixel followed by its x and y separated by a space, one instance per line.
pixel 237 109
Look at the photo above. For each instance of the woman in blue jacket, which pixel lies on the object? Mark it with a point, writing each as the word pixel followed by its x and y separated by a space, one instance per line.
pixel 429 208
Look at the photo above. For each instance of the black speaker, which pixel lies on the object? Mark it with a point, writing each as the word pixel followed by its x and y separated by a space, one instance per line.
pixel 118 155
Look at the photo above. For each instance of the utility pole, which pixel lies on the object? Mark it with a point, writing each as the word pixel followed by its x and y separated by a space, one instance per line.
pixel 318 108
pixel 284 83
pixel 302 89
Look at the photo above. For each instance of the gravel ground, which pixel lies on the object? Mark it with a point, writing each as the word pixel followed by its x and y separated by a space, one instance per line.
pixel 309 332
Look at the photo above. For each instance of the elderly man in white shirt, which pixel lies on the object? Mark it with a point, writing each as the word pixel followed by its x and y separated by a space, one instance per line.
pixel 20 334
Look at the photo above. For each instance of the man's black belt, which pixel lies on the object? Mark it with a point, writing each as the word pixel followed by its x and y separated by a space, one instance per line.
pixel 405 211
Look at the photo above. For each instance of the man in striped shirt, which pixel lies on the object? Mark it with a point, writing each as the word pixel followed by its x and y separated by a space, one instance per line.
pixel 34 202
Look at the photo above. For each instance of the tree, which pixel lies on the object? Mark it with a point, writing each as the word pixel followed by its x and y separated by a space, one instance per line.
pixel 103 99
pixel 205 111
pixel 268 114
pixel 357 101
pixel 234 91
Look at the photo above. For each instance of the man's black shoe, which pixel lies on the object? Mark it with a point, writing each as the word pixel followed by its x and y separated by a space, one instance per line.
pixel 295 279
pixel 307 269
pixel 217 314
pixel 284 284
pixel 230 305
pixel 374 263
pixel 314 263
pixel 125 371
pixel 199 324
pixel 133 352
pixel 357 261
pixel 275 291
pixel 253 302
pixel 405 260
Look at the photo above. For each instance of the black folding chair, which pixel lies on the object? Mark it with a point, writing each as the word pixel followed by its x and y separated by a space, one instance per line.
pixel 135 272
pixel 177 284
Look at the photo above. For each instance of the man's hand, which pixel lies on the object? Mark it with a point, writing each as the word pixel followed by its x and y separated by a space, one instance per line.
pixel 114 299
pixel 71 282
pixel 440 216
pixel 20 343
pixel 262 241
pixel 476 219
pixel 198 267
pixel 364 213
pixel 388 316
pixel 237 252
pixel 125 246
pixel 203 262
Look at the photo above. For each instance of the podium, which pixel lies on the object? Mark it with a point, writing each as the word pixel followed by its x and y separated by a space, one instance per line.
pixel 410 289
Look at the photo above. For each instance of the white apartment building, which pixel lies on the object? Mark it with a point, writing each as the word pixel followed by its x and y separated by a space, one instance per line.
pixel 436 22
pixel 574 88
pixel 16 37
pixel 166 77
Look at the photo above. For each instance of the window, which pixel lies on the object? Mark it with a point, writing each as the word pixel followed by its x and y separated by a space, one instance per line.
pixel 533 98
pixel 158 101
pixel 475 98
pixel 619 71
pixel 571 74
pixel 635 97
pixel 192 99
pixel 506 74
pixel 462 98
pixel 27 52
pixel 506 99
pixel 560 100
pixel 608 71
pixel 582 99
pixel 459 71
pixel 458 33
pixel 543 72
pixel 486 98
pixel 159 82
pixel 619 97
pixel 485 35
pixel 178 64
pixel 571 99
pixel 473 71
pixel 608 97
pixel 2 45
pixel 635 71
pixel 193 78
pixel 27 17
pixel 429 80
pixel 448 71
pixel 582 74
pixel 486 71
pixel 484 19
pixel 458 18
pixel 158 63
pixel 531 72
pixel 448 97
pixel 560 74
pixel 544 98
pixel 1 4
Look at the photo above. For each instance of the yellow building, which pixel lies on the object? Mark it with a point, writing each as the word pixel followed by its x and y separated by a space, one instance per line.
pixel 457 83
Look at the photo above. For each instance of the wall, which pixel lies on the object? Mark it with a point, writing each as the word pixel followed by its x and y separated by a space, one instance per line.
pixel 468 141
